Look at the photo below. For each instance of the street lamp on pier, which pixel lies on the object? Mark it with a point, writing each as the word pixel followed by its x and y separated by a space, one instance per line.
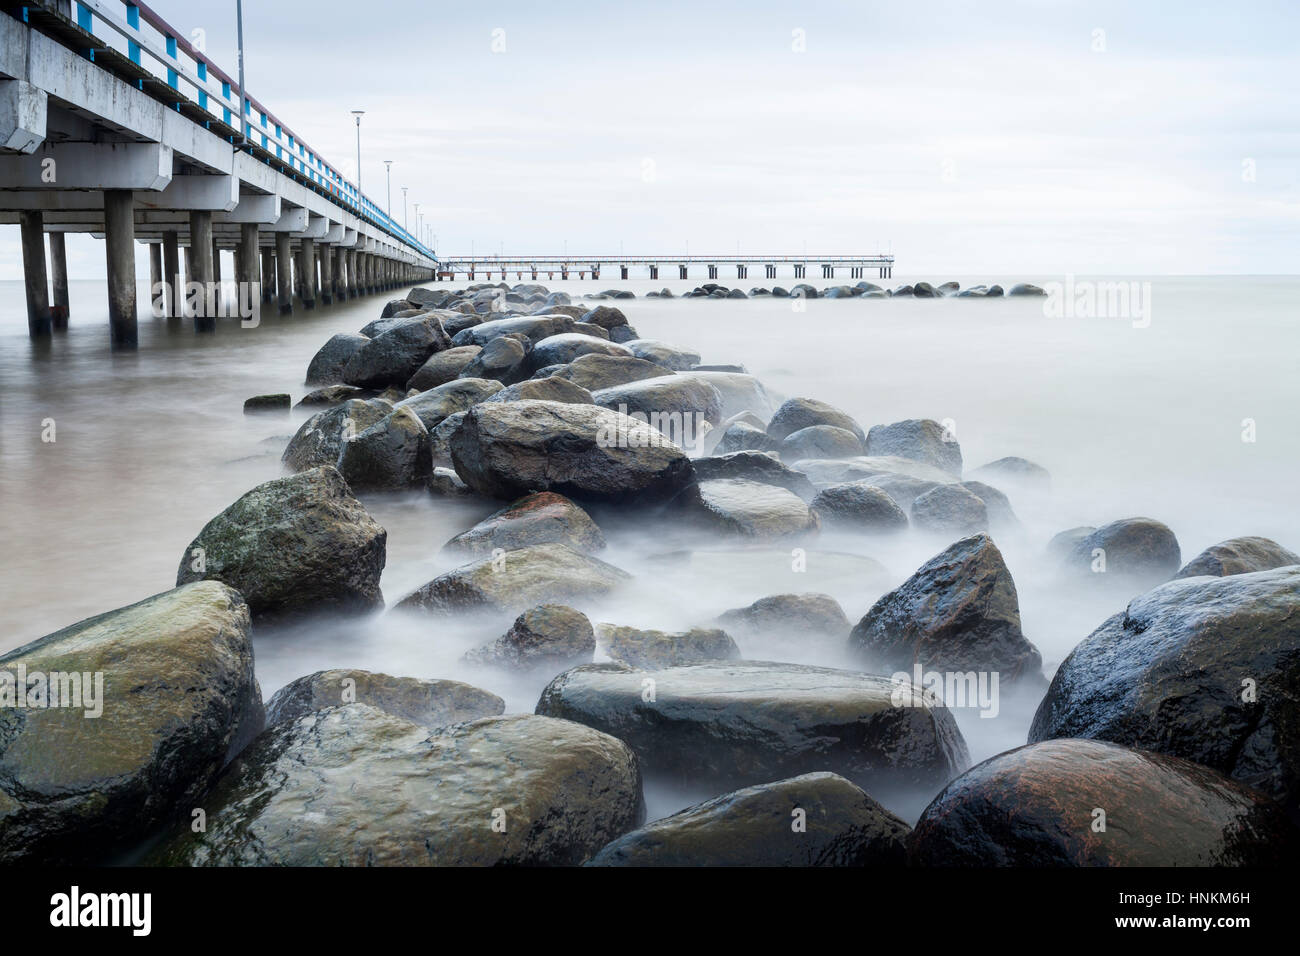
pixel 358 114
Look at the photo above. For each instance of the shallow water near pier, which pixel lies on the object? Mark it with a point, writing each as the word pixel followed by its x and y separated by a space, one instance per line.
pixel 1129 420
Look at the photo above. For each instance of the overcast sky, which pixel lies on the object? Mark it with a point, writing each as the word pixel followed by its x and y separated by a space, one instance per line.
pixel 1035 137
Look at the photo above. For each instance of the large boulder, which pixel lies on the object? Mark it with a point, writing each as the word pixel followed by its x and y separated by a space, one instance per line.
pixel 548 389
pixel 567 346
pixel 740 392
pixel 640 647
pixel 661 353
pixel 581 451
pixel 789 616
pixel 1086 803
pixel 354 786
pixel 319 439
pixel 442 367
pixel 1140 551
pixel 605 316
pixel 1238 556
pixel 759 826
pixel 958 613
pixel 681 408
pixel 513 581
pixel 549 637
pixel 950 509
pixel 594 371
pixel 859 506
pixel 747 509
pixel 394 356
pixel 754 466
pixel 830 471
pixel 152 701
pixel 326 367
pixel 820 441
pixel 430 703
pixel 293 545
pixel 389 455
pixel 800 413
pixel 439 403
pixel 740 723
pixel 1200 668
pixel 919 439
pixel 1013 471
pixel 535 328
pixel 504 359
pixel 741 436
pixel 539 518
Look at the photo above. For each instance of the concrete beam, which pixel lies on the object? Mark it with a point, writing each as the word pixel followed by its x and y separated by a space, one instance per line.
pixel 316 228
pixel 23 109
pixel 262 210
pixel 131 166
pixel 195 192
pixel 292 219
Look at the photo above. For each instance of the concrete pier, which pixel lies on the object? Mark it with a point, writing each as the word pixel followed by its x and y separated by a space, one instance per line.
pixel 59 274
pixel 201 269
pixel 268 275
pixel 172 273
pixel 156 276
pixel 326 275
pixel 284 280
pixel 247 267
pixel 119 246
pixel 32 225
pixel 307 274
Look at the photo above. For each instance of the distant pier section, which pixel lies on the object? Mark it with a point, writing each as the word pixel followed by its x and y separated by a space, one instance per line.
pixel 652 267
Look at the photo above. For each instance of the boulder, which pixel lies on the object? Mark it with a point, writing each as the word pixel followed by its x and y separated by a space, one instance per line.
pixel 996 504
pixel 437 404
pixel 1014 471
pixel 919 439
pixel 326 367
pixel 564 348
pixel 141 708
pixel 389 455
pixel 650 649
pixel 549 389
pixel 594 371
pixel 440 443
pixel 742 436
pixel 820 441
pixel 829 471
pixel 660 353
pixel 1024 288
pixel 319 439
pixel 513 581
pixel 755 827
pixel 504 359
pixel 1063 543
pixel 605 316
pixel 536 328
pixel 394 306
pixel 278 402
pixel 682 409
pixel 443 367
pixel 1238 556
pixel 789 615
pixel 293 545
pixel 754 466
pixel 958 613
pixel 429 298
pixel 859 506
pixel 748 509
pixel 622 334
pixel 1200 668
pixel 739 392
pixel 903 489
pixel 800 413
pixel 382 791
pixel 549 637
pixel 1140 551
pixel 581 451
pixel 429 703
pixel 739 723
pixel 330 395
pixel 950 509
pixel 1037 806
pixel 393 357
pixel 539 518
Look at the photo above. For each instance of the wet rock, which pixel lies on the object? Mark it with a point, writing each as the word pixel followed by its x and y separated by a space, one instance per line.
pixel 1063 543
pixel 739 723
pixel 383 791
pixel 594 372
pixel 675 405
pixel 1239 556
pixel 1200 668
pixel 606 316
pixel 538 518
pixel 389 455
pixel 1035 807
pixel 742 436
pixel 444 482
pixel 535 327
pixel 752 827
pixel 443 367
pixel 503 360
pixel 517 580
pixel 859 506
pixel 740 393
pixel 430 703
pixel 789 615
pixel 919 439
pixel 661 353
pixel 177 699
pixel 564 348
pixel 319 439
pixel 622 334
pixel 754 466
pixel 393 357
pixel 948 288
pixel 958 613
pixel 997 504
pixel 820 441
pixel 393 306
pixel 330 395
pixel 549 637
pixel 651 649
pixel 580 451
pixel 747 509
pixel 326 367
pixel 429 298
pixel 799 413
pixel 595 331
pixel 950 509
pixel 995 291
pixel 550 389
pixel 279 402
pixel 1024 288
pixel 1139 550
pixel 440 444
pixel 292 546
pixel 1015 472
pixel 828 471
pixel 437 404
pixel 923 290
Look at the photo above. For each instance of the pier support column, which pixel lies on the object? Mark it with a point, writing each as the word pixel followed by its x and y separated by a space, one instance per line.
pixel 247 269
pixel 59 270
pixel 326 274
pixel 157 301
pixel 284 282
pixel 340 274
pixel 307 273
pixel 172 272
pixel 268 275
pixel 216 278
pixel 32 224
pixel 119 244
pixel 201 268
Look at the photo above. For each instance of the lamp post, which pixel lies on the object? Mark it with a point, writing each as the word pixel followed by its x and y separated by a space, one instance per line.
pixel 388 166
pixel 358 114
pixel 243 99
pixel 403 207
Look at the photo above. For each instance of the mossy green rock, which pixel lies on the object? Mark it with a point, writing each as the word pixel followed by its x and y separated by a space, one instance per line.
pixel 179 699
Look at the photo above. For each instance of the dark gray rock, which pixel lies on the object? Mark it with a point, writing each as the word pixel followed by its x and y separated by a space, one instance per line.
pixel 549 389
pixel 443 367
pixel 430 703
pixel 393 357
pixel 389 455
pixel 539 518
pixel 920 439
pixel 564 348
pixel 437 404
pixel 742 436
pixel 327 365
pixel 799 413
pixel 549 637
pixel 279 402
pixel 319 439
pixel 677 406
pixel 504 359
pixel 950 509
pixel 330 395
pixel 1239 556
pixel 997 504
pixel 859 506
pixel 594 372
pixel 661 353
pixel 754 466
pixel 1024 288
pixel 536 328
pixel 1142 551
